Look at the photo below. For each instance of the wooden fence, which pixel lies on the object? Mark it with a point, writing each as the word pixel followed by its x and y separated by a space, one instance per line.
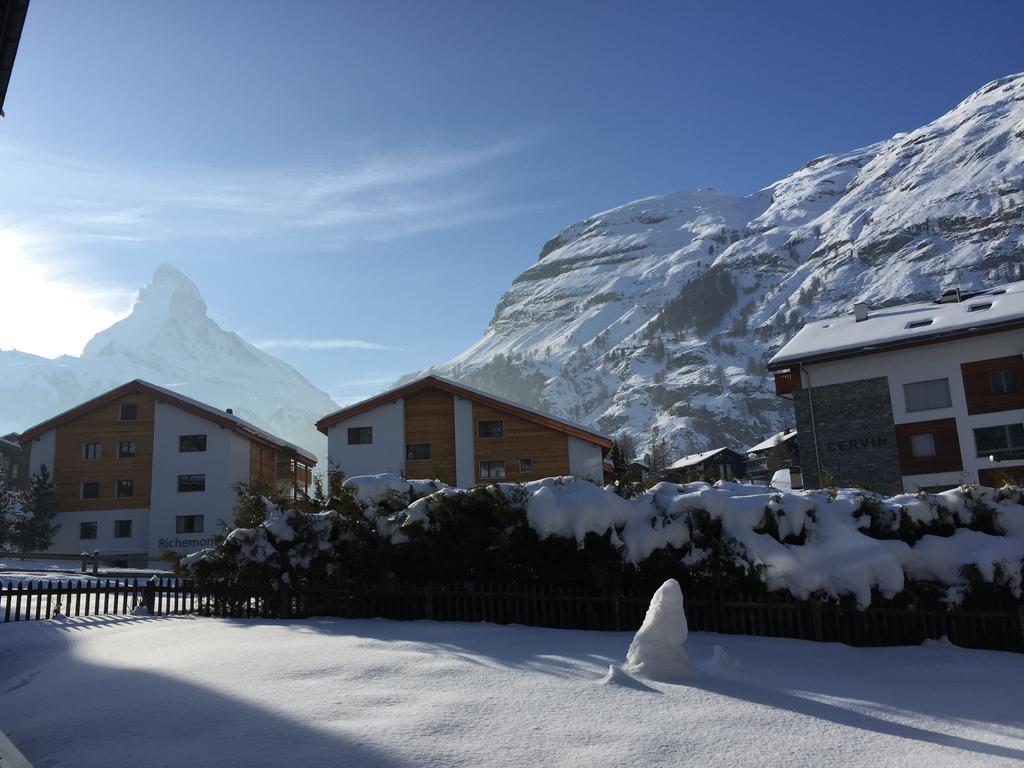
pixel 1001 628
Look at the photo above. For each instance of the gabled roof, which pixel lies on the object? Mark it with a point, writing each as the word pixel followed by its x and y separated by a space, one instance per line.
pixel 10 447
pixel 446 385
pixel 696 458
pixel 774 440
pixel 208 412
pixel 905 325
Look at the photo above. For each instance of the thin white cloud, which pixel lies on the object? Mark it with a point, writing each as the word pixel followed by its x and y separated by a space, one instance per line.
pixel 378 197
pixel 320 344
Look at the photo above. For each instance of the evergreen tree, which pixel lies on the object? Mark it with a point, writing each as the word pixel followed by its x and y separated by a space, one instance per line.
pixel 10 509
pixel 34 528
pixel 618 460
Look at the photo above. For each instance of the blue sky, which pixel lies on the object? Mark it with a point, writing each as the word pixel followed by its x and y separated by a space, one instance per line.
pixel 381 171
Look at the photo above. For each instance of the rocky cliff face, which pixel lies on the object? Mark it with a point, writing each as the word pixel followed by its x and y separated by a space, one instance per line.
pixel 169 340
pixel 661 313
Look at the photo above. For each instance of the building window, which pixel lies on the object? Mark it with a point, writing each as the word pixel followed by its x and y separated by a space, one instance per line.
pixel 922 446
pixel 927 395
pixel 492 469
pixel 90 490
pixel 191 443
pixel 122 529
pixel 124 488
pixel 126 450
pixel 129 412
pixel 417 451
pixel 1005 442
pixel 92 451
pixel 360 435
pixel 191 483
pixel 1003 382
pixel 491 429
pixel 188 524
pixel 87 530
pixel 526 465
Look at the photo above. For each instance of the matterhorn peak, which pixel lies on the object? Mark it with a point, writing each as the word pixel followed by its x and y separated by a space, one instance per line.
pixel 169 307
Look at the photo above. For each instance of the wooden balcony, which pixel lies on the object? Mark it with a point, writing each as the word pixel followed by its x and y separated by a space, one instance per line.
pixel 787 382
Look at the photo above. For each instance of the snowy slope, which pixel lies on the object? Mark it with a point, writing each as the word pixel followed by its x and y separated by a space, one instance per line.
pixel 662 312
pixel 171 341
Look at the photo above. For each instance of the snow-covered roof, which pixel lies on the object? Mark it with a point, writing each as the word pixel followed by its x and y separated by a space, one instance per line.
pixel 9 445
pixel 774 440
pixel 905 325
pixel 695 458
pixel 175 398
pixel 548 419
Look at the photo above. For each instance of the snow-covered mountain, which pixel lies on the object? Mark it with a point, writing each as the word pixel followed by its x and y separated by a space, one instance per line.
pixel 662 312
pixel 169 340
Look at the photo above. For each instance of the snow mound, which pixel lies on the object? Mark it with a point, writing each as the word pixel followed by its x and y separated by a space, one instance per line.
pixel 656 652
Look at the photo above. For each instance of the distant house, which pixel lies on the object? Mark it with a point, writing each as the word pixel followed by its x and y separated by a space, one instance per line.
pixel 636 472
pixel 12 462
pixel 925 395
pixel 141 470
pixel 717 464
pixel 780 451
pixel 440 429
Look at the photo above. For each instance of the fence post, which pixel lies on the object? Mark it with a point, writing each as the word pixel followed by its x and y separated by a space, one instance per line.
pixel 816 625
pixel 96 562
pixel 428 602
pixel 1020 618
pixel 285 595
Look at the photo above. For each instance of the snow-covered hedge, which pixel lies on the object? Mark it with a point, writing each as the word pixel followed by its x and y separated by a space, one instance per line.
pixel 847 543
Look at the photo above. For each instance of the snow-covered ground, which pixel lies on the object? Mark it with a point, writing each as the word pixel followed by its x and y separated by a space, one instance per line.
pixel 135 691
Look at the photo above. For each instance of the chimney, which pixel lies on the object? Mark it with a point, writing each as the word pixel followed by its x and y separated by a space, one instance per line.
pixel 231 411
pixel 860 311
pixel 950 297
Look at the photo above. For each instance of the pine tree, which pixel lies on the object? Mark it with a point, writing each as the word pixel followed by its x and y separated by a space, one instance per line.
pixel 34 528
pixel 10 509
pixel 618 460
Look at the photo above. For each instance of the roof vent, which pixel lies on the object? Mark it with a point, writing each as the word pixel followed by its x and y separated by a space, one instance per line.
pixel 979 307
pixel 952 296
pixel 918 324
pixel 860 311
pixel 231 411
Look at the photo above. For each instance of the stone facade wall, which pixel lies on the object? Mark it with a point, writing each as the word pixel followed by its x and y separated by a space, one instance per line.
pixel 856 439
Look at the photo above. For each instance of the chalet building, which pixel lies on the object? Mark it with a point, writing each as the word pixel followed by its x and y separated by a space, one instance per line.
pixel 925 395
pixel 12 462
pixel 142 470
pixel 778 452
pixel 717 464
pixel 637 472
pixel 435 428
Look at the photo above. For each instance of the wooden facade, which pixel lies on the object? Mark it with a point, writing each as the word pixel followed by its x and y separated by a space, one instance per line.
pixel 978 387
pixel 430 420
pixel 545 449
pixel 947 447
pixel 103 425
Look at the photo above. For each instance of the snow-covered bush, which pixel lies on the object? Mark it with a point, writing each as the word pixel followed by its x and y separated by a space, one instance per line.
pixel 841 543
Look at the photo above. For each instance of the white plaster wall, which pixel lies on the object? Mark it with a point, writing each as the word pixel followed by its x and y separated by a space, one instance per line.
pixel 224 462
pixel 41 452
pixel 585 459
pixel 935 361
pixel 67 540
pixel 465 468
pixel 385 454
